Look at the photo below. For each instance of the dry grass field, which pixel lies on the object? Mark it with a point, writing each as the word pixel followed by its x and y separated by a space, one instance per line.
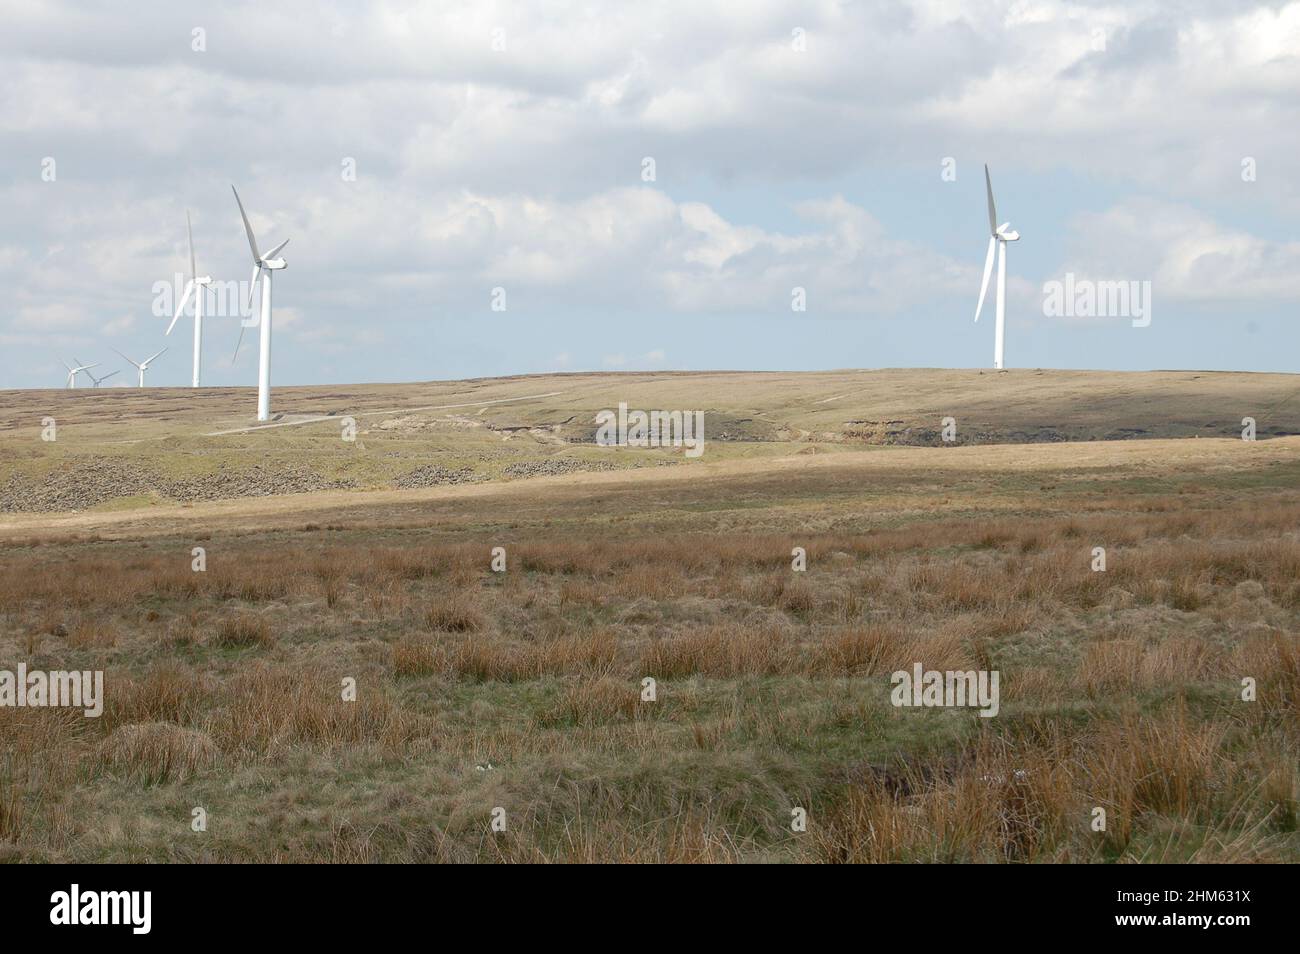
pixel 522 691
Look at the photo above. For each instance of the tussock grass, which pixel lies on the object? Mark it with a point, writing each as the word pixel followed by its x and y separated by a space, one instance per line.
pixel 157 752
pixel 499 659
pixel 239 632
pixel 723 651
pixel 593 701
pixel 455 614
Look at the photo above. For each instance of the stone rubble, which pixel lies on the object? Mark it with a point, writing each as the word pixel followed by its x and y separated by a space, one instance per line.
pixel 101 479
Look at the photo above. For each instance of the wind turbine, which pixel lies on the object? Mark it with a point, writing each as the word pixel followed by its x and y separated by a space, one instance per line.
pixel 143 365
pixel 201 282
pixel 1001 235
pixel 263 266
pixel 72 372
pixel 98 381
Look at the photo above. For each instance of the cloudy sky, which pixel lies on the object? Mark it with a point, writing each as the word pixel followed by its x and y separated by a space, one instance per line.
pixel 648 183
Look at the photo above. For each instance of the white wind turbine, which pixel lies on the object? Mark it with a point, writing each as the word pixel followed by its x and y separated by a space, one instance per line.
pixel 142 365
pixel 1001 235
pixel 73 372
pixel 96 382
pixel 201 283
pixel 263 266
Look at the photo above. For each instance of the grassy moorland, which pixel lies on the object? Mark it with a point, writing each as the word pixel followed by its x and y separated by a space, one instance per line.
pixel 521 690
pixel 131 449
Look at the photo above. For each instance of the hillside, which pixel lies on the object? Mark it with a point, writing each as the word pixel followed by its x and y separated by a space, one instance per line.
pixel 124 448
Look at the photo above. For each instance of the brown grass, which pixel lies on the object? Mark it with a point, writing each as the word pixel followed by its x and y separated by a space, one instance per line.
pixel 243 631
pixel 722 651
pixel 455 614
pixel 1120 689
pixel 157 752
pixel 593 701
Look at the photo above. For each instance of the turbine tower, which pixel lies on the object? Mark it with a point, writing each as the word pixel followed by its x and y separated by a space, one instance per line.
pixel 143 365
pixel 197 286
pixel 263 266
pixel 73 372
pixel 1001 235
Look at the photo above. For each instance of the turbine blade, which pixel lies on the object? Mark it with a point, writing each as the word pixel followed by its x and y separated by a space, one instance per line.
pixel 194 269
pixel 185 300
pixel 128 360
pixel 252 283
pixel 238 343
pixel 252 242
pixel 152 356
pixel 275 251
pixel 993 212
pixel 988 270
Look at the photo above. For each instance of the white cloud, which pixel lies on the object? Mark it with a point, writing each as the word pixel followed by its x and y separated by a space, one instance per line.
pixel 584 90
pixel 1186 255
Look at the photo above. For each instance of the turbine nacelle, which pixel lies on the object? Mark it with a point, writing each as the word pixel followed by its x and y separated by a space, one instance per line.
pixel 259 266
pixel 1007 233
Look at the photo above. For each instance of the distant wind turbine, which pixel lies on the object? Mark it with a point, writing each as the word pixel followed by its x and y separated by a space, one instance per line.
pixel 1001 235
pixel 73 372
pixel 98 381
pixel 263 266
pixel 201 283
pixel 143 365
